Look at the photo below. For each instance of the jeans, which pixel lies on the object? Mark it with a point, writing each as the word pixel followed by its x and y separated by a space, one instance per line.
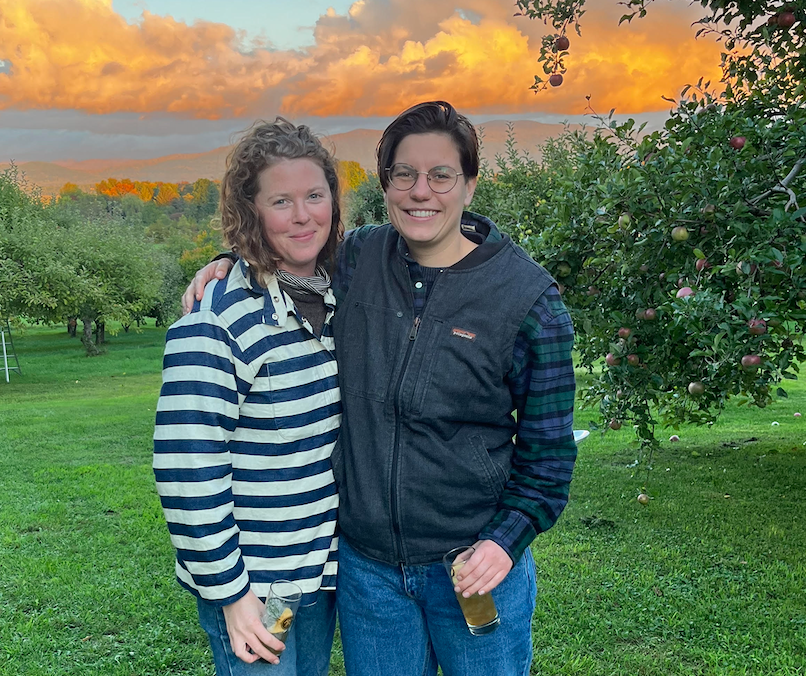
pixel 405 620
pixel 312 631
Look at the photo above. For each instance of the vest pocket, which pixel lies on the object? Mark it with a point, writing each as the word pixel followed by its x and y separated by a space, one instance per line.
pixel 496 476
pixel 366 363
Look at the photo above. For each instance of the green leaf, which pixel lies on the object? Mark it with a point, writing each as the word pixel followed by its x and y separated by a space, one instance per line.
pixel 781 392
pixel 699 254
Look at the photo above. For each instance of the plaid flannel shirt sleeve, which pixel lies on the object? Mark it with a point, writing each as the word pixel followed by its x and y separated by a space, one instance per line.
pixel 543 387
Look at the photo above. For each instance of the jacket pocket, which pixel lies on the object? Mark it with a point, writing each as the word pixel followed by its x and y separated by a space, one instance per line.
pixel 303 394
pixel 495 472
pixel 366 348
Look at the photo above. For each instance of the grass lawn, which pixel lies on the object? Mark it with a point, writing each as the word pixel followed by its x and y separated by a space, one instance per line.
pixel 710 578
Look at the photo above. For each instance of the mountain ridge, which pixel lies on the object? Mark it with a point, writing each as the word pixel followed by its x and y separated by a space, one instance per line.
pixel 357 145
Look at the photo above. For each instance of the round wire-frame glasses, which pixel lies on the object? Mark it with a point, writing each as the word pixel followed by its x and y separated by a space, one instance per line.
pixel 440 179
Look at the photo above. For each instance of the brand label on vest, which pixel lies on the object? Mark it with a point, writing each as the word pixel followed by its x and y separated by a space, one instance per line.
pixel 461 333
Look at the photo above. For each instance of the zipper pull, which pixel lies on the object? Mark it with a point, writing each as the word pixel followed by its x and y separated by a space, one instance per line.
pixel 415 328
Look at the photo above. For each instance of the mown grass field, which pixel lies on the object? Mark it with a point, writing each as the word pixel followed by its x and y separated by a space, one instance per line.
pixel 710 578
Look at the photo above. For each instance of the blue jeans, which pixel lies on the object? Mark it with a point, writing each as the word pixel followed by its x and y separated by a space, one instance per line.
pixel 312 630
pixel 405 620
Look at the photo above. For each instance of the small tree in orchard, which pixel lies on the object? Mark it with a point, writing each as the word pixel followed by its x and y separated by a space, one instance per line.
pixel 681 252
pixel 52 269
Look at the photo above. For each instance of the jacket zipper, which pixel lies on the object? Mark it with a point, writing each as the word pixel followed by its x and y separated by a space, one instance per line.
pixel 415 328
pixel 413 332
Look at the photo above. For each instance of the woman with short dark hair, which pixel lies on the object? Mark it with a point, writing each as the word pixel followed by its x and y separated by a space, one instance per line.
pixel 444 328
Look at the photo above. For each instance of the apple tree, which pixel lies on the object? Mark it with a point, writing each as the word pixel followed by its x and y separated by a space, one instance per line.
pixel 52 269
pixel 763 42
pixel 681 252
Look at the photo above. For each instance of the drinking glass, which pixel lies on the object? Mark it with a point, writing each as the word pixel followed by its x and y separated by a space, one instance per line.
pixel 281 608
pixel 480 613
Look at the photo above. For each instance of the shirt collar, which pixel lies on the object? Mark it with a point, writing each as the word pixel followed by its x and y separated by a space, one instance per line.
pixel 276 304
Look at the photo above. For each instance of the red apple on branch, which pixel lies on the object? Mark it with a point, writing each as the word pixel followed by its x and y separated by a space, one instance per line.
pixel 685 292
pixel 615 424
pixel 556 80
pixel 757 327
pixel 737 142
pixel 612 360
pixel 786 19
pixel 624 332
pixel 750 362
pixel 650 314
pixel 562 43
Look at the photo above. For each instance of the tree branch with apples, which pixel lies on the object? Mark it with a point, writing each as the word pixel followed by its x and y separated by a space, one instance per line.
pixel 684 292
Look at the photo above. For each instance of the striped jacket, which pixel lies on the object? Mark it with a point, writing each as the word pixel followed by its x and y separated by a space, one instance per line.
pixel 247 417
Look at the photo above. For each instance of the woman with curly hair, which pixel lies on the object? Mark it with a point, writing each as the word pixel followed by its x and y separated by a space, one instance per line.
pixel 250 409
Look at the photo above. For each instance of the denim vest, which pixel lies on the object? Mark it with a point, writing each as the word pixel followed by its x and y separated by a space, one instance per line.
pixel 425 447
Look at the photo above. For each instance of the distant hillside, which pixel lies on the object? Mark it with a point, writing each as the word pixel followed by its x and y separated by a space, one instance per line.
pixel 358 146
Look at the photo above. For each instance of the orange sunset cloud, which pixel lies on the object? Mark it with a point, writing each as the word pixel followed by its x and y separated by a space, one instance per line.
pixel 80 54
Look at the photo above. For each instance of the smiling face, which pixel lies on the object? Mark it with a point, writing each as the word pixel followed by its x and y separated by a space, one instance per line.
pixel 428 221
pixel 296 211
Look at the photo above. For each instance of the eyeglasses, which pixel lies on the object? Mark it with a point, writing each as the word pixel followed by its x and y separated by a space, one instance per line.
pixel 440 179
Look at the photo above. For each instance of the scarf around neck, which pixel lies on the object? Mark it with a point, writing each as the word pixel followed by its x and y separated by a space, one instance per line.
pixel 319 283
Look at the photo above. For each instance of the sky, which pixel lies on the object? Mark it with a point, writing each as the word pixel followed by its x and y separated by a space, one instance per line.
pixel 82 79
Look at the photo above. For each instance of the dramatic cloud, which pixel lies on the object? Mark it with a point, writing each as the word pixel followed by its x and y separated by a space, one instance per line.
pixel 379 58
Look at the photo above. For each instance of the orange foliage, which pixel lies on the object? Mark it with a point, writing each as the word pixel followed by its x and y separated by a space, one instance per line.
pixel 113 187
pixel 145 191
pixel 351 175
pixel 167 193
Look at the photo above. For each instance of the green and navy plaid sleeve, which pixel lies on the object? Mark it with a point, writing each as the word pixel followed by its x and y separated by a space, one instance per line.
pixel 542 385
pixel 347 259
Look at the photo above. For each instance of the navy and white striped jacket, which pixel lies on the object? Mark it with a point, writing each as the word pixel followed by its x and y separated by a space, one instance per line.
pixel 247 417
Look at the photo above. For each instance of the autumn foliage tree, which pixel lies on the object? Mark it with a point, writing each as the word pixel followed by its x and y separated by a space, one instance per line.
pixel 351 175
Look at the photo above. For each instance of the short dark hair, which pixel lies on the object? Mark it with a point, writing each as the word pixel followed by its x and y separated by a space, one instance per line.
pixel 263 145
pixel 431 117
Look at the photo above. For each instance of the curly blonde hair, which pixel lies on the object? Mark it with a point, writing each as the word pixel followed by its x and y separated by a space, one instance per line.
pixel 263 145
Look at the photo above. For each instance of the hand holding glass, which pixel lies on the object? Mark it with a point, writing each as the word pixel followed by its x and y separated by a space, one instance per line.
pixel 480 613
pixel 281 609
